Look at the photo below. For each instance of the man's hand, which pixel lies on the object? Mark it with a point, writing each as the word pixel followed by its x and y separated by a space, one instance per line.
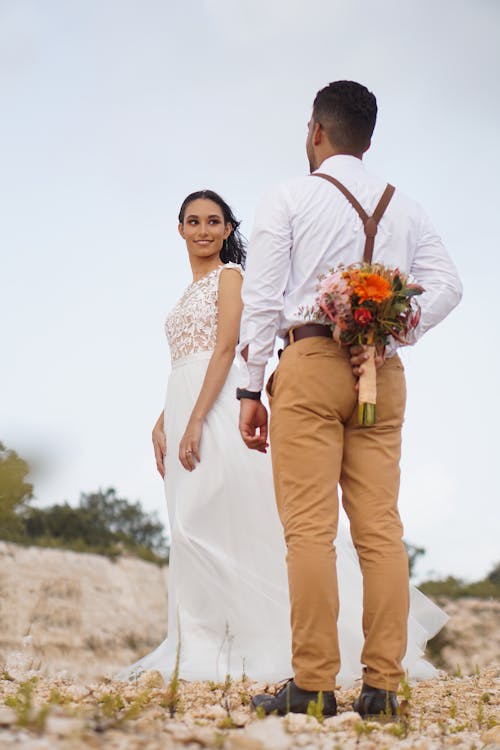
pixel 253 424
pixel 359 355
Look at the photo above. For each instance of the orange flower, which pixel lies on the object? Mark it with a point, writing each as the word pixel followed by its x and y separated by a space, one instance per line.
pixel 371 286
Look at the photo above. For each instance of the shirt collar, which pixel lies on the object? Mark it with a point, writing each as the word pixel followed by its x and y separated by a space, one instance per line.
pixel 341 164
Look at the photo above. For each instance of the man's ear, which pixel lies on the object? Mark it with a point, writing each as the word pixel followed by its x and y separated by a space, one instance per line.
pixel 181 231
pixel 318 134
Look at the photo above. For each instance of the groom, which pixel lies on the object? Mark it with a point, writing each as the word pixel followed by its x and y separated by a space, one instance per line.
pixel 303 228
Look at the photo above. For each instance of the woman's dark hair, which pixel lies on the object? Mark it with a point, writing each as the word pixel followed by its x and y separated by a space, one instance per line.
pixel 233 249
pixel 347 111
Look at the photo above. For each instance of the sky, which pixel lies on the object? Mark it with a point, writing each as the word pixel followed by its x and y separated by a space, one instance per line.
pixel 113 110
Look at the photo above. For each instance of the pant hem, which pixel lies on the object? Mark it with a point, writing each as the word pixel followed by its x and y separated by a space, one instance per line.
pixel 381 683
pixel 306 685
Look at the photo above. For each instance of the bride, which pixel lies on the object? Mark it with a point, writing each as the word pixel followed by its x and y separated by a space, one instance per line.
pixel 228 607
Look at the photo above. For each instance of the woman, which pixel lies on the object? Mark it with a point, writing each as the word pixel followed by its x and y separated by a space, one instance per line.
pixel 228 608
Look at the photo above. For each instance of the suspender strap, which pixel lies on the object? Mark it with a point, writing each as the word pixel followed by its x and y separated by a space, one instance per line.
pixel 370 223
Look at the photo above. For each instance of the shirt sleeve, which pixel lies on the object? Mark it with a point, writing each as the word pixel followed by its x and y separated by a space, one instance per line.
pixel 266 275
pixel 433 268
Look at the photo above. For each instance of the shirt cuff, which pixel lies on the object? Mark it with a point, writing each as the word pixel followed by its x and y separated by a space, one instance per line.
pixel 252 376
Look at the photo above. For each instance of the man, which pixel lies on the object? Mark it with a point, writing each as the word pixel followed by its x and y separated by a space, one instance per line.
pixel 304 228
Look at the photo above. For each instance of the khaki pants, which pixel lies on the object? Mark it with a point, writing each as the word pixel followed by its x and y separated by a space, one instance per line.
pixel 317 445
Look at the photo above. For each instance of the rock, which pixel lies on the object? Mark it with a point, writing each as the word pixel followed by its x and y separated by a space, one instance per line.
pixel 300 722
pixel 76 692
pixel 7 716
pixel 491 736
pixel 63 726
pixel 215 712
pixel 270 733
pixel 240 718
pixel 344 720
pixel 242 742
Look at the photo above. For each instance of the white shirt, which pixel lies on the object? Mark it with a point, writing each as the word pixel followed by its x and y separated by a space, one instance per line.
pixel 306 227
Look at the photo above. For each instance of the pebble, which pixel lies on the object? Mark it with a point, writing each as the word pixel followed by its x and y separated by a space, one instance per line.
pixel 270 733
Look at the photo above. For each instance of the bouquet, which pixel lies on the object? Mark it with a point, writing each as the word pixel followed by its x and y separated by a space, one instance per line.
pixel 367 303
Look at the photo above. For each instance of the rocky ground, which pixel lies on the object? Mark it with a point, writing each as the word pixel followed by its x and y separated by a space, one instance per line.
pixel 68 621
pixel 41 714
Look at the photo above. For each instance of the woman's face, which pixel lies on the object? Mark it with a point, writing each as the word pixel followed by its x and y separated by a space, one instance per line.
pixel 203 228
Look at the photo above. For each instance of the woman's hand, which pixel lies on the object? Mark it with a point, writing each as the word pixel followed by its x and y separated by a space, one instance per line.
pixel 159 445
pixel 189 447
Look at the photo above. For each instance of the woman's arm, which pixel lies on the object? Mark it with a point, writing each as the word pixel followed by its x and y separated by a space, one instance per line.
pixel 159 444
pixel 229 315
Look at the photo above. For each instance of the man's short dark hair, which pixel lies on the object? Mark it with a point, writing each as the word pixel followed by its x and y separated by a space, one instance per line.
pixel 347 112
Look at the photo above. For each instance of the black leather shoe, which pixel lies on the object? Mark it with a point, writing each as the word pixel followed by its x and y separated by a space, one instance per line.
pixel 291 698
pixel 375 703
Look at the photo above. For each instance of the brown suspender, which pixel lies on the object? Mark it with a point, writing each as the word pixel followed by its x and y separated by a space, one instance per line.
pixel 370 223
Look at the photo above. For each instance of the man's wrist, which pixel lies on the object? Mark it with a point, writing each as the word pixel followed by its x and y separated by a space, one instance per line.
pixel 244 393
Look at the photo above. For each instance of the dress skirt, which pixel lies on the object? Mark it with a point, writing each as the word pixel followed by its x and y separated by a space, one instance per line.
pixel 228 606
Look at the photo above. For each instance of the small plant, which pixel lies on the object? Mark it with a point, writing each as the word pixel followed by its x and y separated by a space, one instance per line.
pixel 480 711
pixel 244 676
pixel 57 698
pixel 224 701
pixel 172 697
pixel 6 676
pixel 364 728
pixel 260 712
pixel 138 704
pixel 22 703
pixel 315 708
pixel 453 710
pixel 244 698
pixel 398 729
pixel 405 689
pixel 111 705
pixel 421 722
pixel 40 717
pixel 227 723
pixel 458 671
pixel 459 728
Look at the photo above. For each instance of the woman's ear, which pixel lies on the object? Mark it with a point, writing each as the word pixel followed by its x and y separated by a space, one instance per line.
pixel 228 230
pixel 181 231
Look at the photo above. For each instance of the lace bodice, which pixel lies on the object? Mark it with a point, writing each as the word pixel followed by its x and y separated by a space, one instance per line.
pixel 191 326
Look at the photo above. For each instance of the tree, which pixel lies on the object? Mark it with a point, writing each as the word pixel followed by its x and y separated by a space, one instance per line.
pixel 15 494
pixel 413 553
pixel 494 575
pixel 103 523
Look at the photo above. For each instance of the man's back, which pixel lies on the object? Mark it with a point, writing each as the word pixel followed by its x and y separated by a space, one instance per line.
pixel 307 227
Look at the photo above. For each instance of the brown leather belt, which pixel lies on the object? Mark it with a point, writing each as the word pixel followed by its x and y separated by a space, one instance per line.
pixel 305 332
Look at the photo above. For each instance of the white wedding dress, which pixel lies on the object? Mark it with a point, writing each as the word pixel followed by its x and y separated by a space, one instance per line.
pixel 228 602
